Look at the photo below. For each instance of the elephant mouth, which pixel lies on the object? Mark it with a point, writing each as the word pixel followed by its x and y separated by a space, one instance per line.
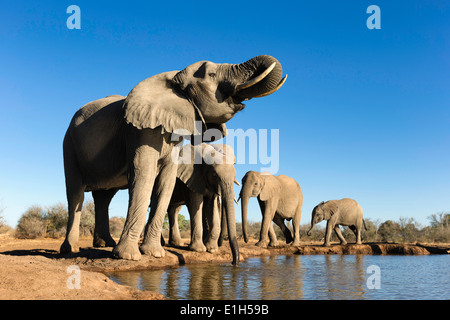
pixel 238 107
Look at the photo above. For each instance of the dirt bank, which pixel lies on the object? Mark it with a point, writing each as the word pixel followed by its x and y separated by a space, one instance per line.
pixel 34 269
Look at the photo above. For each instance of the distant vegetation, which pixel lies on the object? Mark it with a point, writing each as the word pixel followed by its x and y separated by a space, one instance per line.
pixel 38 222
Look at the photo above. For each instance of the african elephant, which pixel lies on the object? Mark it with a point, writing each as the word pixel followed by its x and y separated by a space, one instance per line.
pixel 126 142
pixel 205 188
pixel 344 212
pixel 279 197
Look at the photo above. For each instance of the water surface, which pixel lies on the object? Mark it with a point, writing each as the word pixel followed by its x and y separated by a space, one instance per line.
pixel 301 277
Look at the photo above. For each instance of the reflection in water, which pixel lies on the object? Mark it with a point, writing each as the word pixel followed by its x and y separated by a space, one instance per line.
pixel 292 277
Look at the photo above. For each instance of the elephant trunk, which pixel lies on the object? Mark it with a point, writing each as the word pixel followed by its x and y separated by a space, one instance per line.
pixel 312 224
pixel 310 229
pixel 257 77
pixel 228 209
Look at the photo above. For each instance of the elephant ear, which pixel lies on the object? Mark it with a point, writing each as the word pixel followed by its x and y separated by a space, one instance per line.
pixel 330 210
pixel 189 172
pixel 155 102
pixel 271 187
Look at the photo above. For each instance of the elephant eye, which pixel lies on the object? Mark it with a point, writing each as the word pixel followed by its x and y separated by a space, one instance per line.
pixel 212 75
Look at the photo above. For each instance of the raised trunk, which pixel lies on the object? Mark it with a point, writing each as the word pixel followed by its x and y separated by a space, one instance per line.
pixel 251 69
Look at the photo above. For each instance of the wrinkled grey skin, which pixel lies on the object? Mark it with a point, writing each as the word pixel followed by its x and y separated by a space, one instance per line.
pixel 206 188
pixel 344 212
pixel 126 142
pixel 280 198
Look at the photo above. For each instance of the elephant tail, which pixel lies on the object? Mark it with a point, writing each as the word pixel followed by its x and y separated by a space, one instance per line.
pixel 364 223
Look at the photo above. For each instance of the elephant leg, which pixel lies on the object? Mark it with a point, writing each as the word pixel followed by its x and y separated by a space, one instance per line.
pixel 287 233
pixel 272 236
pixel 142 169
pixel 358 236
pixel 174 230
pixel 75 197
pixel 212 211
pixel 75 202
pixel 161 196
pixel 357 231
pixel 328 230
pixel 296 226
pixel 195 207
pixel 102 236
pixel 339 234
pixel 268 214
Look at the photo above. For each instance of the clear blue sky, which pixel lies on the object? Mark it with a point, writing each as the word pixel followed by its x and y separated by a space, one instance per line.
pixel 364 113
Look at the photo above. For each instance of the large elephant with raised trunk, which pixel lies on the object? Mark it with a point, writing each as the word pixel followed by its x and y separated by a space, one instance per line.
pixel 206 188
pixel 344 212
pixel 280 198
pixel 127 142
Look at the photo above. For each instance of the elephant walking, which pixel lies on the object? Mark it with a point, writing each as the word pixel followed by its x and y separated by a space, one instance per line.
pixel 206 189
pixel 127 142
pixel 344 212
pixel 280 198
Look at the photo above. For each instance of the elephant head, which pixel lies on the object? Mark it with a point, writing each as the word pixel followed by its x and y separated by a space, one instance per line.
pixel 206 91
pixel 323 211
pixel 256 184
pixel 215 173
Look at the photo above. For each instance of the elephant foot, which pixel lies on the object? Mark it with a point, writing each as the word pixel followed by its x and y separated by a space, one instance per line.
pixel 176 242
pixel 100 242
pixel 212 247
pixel 261 244
pixel 295 243
pixel 156 250
pixel 67 247
pixel 197 247
pixel 127 250
pixel 343 243
pixel 273 243
pixel 326 245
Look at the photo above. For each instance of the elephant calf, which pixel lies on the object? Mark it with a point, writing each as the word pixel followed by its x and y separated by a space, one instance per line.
pixel 206 189
pixel 344 212
pixel 279 197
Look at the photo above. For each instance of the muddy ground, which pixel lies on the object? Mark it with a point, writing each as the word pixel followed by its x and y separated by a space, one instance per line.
pixel 34 269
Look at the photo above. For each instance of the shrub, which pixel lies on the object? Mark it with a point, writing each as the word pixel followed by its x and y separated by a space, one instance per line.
pixel 116 226
pixel 56 220
pixel 51 222
pixel 87 220
pixel 31 224
pixel 4 227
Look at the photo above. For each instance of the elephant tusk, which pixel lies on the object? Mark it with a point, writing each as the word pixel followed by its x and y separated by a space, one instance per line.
pixel 254 81
pixel 236 201
pixel 237 182
pixel 273 90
